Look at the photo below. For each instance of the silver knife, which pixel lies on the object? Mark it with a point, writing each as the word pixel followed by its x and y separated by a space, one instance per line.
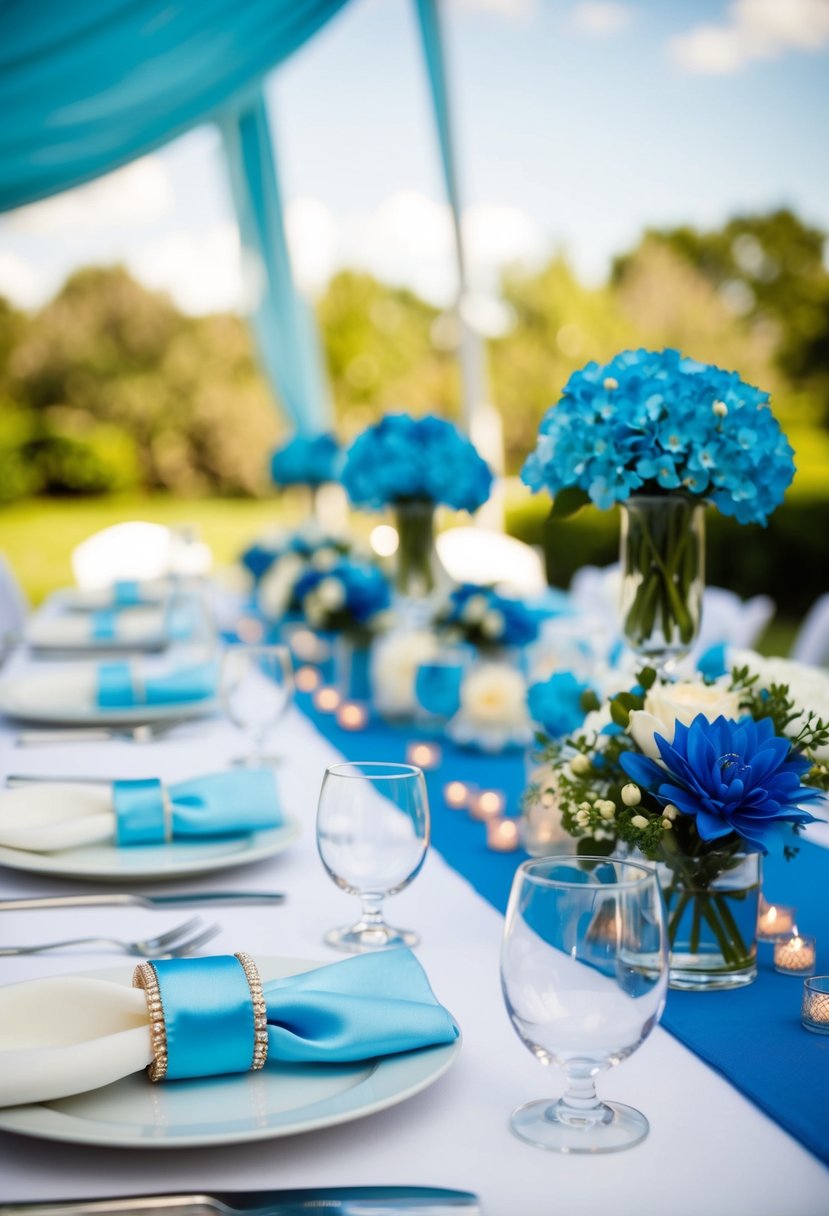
pixel 343 1201
pixel 131 900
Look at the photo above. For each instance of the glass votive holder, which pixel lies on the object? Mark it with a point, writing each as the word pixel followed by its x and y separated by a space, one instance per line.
pixel 774 921
pixel 814 1012
pixel 424 755
pixel 795 955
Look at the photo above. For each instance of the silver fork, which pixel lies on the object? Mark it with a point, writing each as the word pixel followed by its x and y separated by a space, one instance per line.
pixel 173 944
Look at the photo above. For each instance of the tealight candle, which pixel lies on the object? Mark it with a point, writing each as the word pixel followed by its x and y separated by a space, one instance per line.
pixel 424 755
pixel 456 794
pixel 795 955
pixel 814 1012
pixel 307 679
pixel 352 716
pixel 774 920
pixel 502 835
pixel 487 804
pixel 326 700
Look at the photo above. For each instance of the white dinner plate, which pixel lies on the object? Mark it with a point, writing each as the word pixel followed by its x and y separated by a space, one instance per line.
pixel 157 862
pixel 66 697
pixel 280 1100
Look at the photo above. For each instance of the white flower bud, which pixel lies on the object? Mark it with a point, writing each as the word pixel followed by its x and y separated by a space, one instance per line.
pixel 585 806
pixel 667 825
pixel 670 811
pixel 639 821
pixel 720 409
pixel 582 818
pixel 607 810
pixel 631 794
pixel 580 764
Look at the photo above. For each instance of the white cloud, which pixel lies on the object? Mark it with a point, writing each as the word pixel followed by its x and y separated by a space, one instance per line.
pixel 140 193
pixel 600 18
pixel 753 29
pixel 202 272
pixel 20 282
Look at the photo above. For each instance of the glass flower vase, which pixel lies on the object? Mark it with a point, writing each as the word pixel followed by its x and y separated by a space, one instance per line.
pixel 712 904
pixel 662 557
pixel 352 662
pixel 418 568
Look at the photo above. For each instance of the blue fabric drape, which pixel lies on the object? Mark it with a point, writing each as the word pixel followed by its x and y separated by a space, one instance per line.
pixel 284 328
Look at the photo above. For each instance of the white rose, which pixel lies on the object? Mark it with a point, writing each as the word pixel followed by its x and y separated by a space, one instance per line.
pixel 667 704
pixel 325 559
pixel 474 609
pixel 331 594
pixel 395 661
pixel 493 712
pixel 277 586
pixel 492 626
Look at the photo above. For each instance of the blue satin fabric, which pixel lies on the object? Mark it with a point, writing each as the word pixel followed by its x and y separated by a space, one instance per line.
pixel 208 1015
pixel 103 625
pixel 139 812
pixel 118 690
pixel 438 688
pixel 367 1006
pixel 126 593
pixel 222 804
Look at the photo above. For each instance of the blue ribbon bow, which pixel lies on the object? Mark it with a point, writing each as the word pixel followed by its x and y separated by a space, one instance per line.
pixel 223 804
pixel 119 687
pixel 368 1006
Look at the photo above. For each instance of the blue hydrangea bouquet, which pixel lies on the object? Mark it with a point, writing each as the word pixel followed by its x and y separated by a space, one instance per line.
pixel 481 617
pixel 662 435
pixel 414 465
pixel 306 460
pixel 702 778
pixel 350 597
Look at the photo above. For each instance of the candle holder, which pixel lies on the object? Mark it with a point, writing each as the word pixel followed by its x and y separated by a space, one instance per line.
pixel 814 1012
pixel 456 794
pixel 424 755
pixel 327 700
pixel 795 955
pixel 307 679
pixel 487 804
pixel 502 835
pixel 352 715
pixel 774 921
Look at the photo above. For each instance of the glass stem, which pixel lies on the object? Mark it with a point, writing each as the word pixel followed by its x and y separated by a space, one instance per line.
pixel 579 1105
pixel 372 910
pixel 258 738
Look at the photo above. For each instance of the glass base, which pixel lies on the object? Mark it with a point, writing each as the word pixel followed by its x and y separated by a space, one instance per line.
pixel 606 1128
pixel 361 938
pixel 686 977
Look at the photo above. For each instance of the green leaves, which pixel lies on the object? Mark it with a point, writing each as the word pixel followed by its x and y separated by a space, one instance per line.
pixel 568 501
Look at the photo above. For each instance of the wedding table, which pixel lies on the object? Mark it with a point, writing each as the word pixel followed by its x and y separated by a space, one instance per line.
pixel 710 1149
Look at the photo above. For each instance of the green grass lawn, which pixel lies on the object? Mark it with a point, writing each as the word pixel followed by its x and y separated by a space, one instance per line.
pixel 38 536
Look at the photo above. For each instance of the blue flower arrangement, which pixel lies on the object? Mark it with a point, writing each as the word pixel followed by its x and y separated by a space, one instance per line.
pixel 407 460
pixel 306 460
pixel 695 775
pixel 351 597
pixel 309 544
pixel 560 704
pixel 483 618
pixel 654 422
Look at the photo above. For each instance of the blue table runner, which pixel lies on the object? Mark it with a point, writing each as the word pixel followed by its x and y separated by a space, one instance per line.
pixel 752 1036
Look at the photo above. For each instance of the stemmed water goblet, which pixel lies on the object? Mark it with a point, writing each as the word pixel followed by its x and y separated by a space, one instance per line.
pixel 372 836
pixel 584 972
pixel 257 686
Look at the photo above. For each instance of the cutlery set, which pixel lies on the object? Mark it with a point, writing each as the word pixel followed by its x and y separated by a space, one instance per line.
pixel 185 939
pixel 341 1201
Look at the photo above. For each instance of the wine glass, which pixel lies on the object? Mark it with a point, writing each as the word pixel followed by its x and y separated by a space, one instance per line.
pixel 257 685
pixel 372 836
pixel 584 972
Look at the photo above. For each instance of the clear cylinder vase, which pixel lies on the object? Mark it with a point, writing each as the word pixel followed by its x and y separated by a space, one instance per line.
pixel 352 659
pixel 662 557
pixel 417 561
pixel 712 907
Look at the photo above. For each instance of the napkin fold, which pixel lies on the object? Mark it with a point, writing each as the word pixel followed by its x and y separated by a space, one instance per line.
pixel 70 1034
pixel 51 817
pixel 123 685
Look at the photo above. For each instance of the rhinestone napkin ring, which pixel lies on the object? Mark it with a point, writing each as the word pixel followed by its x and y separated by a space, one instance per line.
pixel 145 977
pixel 260 1013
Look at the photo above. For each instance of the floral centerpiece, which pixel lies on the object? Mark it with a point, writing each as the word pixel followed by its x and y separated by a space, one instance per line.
pixel 662 435
pixel 481 617
pixel 306 460
pixel 276 562
pixel 702 778
pixel 413 465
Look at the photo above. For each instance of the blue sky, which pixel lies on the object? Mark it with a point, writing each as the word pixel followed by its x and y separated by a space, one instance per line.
pixel 579 122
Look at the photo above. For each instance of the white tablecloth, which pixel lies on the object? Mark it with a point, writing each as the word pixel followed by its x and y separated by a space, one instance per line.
pixel 710 1150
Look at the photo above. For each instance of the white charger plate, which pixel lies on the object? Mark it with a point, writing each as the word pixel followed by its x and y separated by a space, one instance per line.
pixel 280 1100
pixel 157 862
pixel 66 697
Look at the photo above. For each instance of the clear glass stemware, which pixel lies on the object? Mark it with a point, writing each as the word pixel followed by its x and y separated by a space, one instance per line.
pixel 257 686
pixel 584 968
pixel 372 836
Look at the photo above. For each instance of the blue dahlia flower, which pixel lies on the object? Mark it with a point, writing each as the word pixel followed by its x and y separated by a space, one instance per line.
pixel 306 460
pixel 731 776
pixel 556 704
pixel 653 422
pixel 405 459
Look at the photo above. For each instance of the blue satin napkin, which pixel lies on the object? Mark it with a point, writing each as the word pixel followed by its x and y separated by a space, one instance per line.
pixel 104 624
pixel 222 804
pixel 367 1006
pixel 120 686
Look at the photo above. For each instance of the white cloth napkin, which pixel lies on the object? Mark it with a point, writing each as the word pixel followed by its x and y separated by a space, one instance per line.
pixel 131 625
pixel 52 816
